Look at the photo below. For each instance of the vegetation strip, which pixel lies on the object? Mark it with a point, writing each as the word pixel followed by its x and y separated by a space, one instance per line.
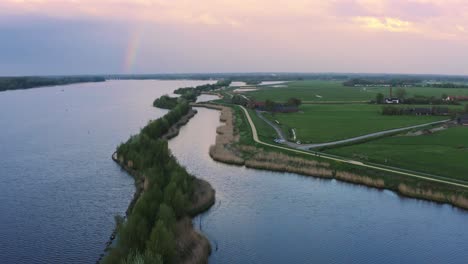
pixel 158 228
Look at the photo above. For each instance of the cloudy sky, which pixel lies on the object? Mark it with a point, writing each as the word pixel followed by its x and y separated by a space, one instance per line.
pixel 162 36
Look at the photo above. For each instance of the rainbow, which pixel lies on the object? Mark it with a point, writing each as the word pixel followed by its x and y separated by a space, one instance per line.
pixel 132 51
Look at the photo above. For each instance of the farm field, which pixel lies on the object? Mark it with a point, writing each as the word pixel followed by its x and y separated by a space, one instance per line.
pixel 322 91
pixel 316 123
pixel 444 153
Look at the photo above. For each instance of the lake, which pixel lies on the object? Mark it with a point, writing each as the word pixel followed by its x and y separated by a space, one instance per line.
pixel 59 188
pixel 60 191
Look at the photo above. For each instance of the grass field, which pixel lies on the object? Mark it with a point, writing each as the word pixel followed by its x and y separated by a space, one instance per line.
pixel 322 91
pixel 444 153
pixel 324 123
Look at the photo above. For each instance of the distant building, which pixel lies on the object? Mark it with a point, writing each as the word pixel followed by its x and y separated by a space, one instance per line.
pixel 392 100
pixel 463 120
pixel 456 98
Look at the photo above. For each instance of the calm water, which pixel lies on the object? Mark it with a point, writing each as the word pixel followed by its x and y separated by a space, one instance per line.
pixel 59 189
pixel 267 217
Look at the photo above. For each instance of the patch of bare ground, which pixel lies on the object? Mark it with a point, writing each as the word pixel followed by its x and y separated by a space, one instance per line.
pixel 191 246
pixel 203 197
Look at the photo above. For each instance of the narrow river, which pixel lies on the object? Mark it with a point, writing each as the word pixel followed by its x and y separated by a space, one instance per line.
pixel 268 217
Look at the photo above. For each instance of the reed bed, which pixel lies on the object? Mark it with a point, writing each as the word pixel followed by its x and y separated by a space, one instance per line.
pixel 359 179
pixel 459 200
pixel 223 149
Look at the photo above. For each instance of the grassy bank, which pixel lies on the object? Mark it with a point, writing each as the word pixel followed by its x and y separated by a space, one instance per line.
pixel 326 123
pixel 263 157
pixel 442 153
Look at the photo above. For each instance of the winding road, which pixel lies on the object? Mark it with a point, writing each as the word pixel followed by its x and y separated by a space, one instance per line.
pixel 344 141
pixel 418 175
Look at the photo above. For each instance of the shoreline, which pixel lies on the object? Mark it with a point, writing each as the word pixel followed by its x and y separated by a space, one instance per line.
pixel 190 240
pixel 228 150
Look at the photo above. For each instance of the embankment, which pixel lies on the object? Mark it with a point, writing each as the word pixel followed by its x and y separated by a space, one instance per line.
pixel 227 149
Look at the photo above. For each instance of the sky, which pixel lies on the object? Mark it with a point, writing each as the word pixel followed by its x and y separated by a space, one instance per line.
pixel 59 37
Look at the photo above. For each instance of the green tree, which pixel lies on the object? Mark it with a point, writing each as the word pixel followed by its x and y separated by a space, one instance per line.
pixel 166 214
pixel 179 203
pixel 294 101
pixel 401 93
pixel 162 242
pixel 270 105
pixel 466 108
pixel 379 98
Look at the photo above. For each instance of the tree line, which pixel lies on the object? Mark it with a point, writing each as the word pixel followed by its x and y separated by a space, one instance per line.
pixel 196 91
pixel 447 85
pixel 381 82
pixel 16 83
pixel 166 102
pixel 149 233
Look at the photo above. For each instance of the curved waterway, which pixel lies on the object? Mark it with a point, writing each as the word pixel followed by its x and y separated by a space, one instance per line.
pixel 59 188
pixel 268 217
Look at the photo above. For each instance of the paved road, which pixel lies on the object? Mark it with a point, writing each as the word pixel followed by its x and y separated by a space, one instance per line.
pixel 278 130
pixel 338 142
pixel 440 179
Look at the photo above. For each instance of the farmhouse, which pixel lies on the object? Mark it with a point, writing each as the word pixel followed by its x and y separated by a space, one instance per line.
pixel 463 120
pixel 392 100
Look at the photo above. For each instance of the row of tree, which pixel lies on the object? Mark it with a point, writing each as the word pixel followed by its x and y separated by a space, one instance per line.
pixel 401 94
pixel 195 91
pixel 149 233
pixel 447 85
pixel 435 110
pixel 15 83
pixel 381 82
pixel 166 102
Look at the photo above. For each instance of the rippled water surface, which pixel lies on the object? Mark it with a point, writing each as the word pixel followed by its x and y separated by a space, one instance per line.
pixel 59 189
pixel 267 217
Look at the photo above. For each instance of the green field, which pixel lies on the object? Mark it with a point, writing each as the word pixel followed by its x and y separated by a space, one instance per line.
pixel 317 123
pixel 444 153
pixel 322 91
